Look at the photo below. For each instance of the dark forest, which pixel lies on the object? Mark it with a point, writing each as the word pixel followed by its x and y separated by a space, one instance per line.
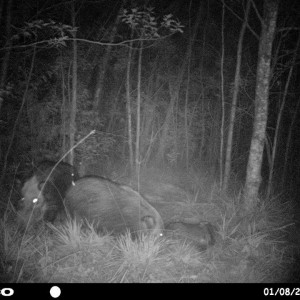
pixel 184 114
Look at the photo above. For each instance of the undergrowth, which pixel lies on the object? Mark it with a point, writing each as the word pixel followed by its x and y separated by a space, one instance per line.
pixel 254 248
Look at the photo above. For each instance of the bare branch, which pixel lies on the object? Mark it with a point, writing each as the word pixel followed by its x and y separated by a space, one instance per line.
pixel 123 43
pixel 257 12
pixel 288 29
pixel 241 19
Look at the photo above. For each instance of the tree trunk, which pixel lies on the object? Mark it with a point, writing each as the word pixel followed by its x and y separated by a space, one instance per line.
pixel 167 123
pixel 74 91
pixel 174 89
pixel 1 10
pixel 25 97
pixel 187 120
pixel 186 111
pixel 63 111
pixel 278 123
pixel 5 60
pixel 227 169
pixel 138 117
pixel 253 176
pixel 128 108
pixel 223 103
pixel 288 149
pixel 102 69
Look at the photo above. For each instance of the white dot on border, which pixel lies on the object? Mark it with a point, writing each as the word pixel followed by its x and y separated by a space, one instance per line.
pixel 55 292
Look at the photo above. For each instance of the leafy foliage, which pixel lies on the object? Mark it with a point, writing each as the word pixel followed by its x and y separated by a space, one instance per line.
pixel 51 33
pixel 145 21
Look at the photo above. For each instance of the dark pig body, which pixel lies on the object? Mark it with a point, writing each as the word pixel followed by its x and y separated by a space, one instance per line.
pixel 112 207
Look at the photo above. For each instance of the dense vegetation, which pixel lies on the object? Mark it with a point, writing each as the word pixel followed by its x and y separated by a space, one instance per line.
pixel 148 94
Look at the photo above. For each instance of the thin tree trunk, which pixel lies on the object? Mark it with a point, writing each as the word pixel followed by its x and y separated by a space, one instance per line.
pixel 148 136
pixel 187 94
pixel 1 10
pixel 188 121
pixel 147 128
pixel 18 118
pixel 73 109
pixel 102 69
pixel 186 113
pixel 203 110
pixel 203 129
pixel 174 91
pixel 138 115
pixel 113 116
pixel 288 144
pixel 223 102
pixel 278 123
pixel 203 114
pixel 149 113
pixel 165 127
pixel 128 107
pixel 236 87
pixel 63 112
pixel 5 60
pixel 253 177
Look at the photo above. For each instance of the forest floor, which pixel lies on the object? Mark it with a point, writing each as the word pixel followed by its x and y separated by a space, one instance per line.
pixel 212 243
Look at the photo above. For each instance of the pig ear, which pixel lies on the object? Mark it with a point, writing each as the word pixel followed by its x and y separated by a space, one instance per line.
pixel 41 185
